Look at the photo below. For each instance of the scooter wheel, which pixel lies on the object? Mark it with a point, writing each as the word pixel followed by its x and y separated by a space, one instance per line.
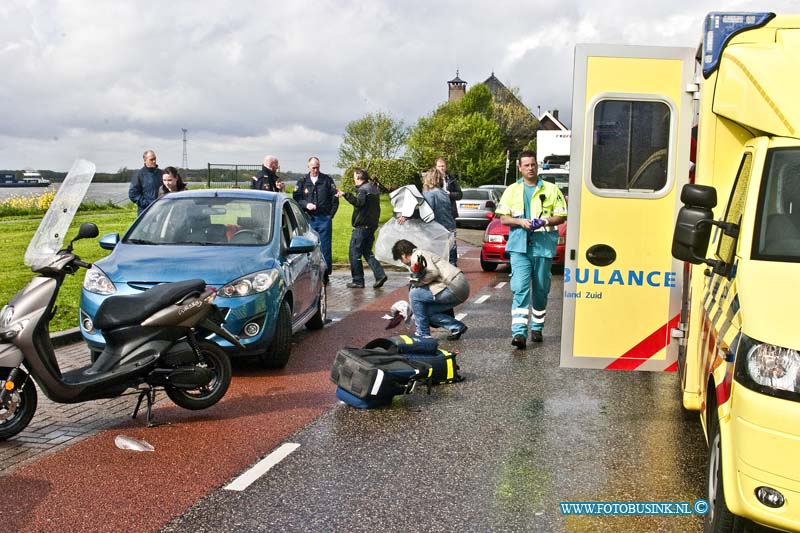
pixel 215 359
pixel 18 409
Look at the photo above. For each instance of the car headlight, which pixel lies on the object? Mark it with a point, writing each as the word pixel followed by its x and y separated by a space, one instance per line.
pixel 97 282
pixel 768 368
pixel 250 284
pixel 493 238
pixel 775 367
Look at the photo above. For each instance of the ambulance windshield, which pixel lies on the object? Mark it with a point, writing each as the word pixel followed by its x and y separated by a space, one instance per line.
pixel 777 235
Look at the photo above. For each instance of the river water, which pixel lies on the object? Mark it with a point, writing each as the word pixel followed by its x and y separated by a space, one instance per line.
pixel 98 192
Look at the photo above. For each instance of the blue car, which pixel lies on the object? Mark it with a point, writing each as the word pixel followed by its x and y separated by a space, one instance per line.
pixel 255 248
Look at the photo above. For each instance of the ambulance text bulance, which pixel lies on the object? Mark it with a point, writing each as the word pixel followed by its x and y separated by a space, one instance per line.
pixel 638 278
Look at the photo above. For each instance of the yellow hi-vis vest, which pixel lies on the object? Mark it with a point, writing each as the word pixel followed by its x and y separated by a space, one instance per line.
pixel 546 201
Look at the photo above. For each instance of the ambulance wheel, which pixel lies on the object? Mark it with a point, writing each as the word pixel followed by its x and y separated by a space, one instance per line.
pixel 277 355
pixel 486 266
pixel 718 519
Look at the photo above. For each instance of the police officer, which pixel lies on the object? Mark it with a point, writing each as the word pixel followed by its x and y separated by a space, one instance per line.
pixel 267 179
pixel 532 208
pixel 316 194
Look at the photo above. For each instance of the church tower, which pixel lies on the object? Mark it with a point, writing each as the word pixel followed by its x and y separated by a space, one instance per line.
pixel 457 88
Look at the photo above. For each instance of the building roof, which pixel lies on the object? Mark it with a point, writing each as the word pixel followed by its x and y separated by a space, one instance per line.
pixel 457 80
pixel 549 121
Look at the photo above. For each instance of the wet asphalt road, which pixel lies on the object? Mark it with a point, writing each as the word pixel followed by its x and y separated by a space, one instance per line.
pixel 497 452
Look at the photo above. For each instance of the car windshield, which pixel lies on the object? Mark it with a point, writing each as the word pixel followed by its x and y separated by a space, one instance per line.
pixel 777 235
pixel 207 221
pixel 475 194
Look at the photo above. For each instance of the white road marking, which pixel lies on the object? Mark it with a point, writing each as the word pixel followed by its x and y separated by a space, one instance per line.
pixel 261 467
pixel 482 299
pixel 460 316
pixel 500 285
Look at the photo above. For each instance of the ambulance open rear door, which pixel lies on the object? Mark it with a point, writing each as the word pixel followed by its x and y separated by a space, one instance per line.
pixel 632 117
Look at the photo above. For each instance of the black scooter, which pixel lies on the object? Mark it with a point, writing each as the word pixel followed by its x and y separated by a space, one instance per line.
pixel 156 339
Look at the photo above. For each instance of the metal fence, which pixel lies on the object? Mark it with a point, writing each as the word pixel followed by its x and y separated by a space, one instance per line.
pixel 231 176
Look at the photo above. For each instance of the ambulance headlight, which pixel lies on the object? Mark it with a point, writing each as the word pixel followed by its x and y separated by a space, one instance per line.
pixel 772 369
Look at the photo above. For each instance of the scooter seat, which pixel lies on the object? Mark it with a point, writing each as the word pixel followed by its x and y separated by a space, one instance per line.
pixel 129 310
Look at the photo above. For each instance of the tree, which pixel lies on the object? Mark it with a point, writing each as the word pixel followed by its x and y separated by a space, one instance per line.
pixel 376 136
pixel 388 174
pixel 464 133
pixel 517 125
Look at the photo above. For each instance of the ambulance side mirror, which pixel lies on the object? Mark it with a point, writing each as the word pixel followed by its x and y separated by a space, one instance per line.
pixel 693 227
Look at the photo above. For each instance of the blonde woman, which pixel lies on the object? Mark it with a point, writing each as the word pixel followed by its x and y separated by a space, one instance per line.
pixel 439 200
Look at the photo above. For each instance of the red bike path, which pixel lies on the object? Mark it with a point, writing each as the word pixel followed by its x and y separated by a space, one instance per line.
pixel 94 486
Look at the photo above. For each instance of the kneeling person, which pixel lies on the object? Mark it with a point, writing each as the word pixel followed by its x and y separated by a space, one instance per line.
pixel 436 287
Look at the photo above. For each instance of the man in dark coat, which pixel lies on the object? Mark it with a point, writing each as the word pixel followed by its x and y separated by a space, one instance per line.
pixel 366 214
pixel 268 179
pixel 454 192
pixel 143 190
pixel 316 194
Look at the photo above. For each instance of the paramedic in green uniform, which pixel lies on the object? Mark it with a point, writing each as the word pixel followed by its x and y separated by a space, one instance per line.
pixel 532 208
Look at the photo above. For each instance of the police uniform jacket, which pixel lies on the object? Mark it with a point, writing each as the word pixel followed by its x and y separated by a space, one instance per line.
pixel 323 195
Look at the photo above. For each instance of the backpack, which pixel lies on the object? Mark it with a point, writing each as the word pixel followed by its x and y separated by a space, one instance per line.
pixel 369 378
pixel 426 350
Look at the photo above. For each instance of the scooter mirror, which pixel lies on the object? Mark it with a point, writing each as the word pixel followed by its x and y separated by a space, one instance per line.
pixel 88 230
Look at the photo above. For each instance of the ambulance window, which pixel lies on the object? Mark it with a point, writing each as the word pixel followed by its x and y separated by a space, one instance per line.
pixel 630 145
pixel 727 245
pixel 777 235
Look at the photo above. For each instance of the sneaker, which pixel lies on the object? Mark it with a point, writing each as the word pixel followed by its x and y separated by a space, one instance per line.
pixel 353 285
pixel 519 341
pixel 457 335
pixel 536 335
pixel 379 282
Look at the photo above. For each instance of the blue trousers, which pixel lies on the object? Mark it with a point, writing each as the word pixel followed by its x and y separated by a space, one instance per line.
pixel 361 242
pixel 525 266
pixel 323 225
pixel 428 310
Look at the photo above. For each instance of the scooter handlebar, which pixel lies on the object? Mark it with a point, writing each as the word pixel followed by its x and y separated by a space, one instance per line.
pixel 82 264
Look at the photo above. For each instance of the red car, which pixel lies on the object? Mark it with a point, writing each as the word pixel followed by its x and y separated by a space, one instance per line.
pixel 493 250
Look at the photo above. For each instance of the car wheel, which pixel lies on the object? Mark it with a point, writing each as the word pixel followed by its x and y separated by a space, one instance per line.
pixel 277 355
pixel 719 519
pixel 318 320
pixel 487 266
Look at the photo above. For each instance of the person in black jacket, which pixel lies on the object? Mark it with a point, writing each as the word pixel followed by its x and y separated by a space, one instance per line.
pixel 316 194
pixel 454 192
pixel 366 214
pixel 143 190
pixel 268 179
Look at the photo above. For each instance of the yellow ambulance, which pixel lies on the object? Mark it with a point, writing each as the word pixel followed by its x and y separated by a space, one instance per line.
pixel 700 276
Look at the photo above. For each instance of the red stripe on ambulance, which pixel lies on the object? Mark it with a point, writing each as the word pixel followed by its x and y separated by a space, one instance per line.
pixel 646 349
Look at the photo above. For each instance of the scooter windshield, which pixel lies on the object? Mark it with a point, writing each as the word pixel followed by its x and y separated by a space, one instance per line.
pixel 49 238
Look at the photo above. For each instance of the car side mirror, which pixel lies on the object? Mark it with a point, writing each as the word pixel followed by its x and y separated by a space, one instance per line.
pixel 109 241
pixel 301 245
pixel 694 224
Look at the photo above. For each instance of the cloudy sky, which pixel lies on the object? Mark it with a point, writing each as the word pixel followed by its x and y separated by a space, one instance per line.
pixel 104 80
